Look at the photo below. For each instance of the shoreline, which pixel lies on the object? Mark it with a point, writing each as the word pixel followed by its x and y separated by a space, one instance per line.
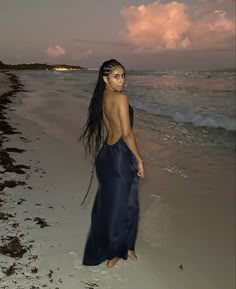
pixel 184 221
pixel 186 133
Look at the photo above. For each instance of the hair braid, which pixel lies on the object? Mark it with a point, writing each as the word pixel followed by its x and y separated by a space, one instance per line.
pixel 93 133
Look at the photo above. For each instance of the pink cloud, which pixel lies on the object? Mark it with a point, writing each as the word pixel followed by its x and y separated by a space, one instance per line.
pixel 55 51
pixel 214 30
pixel 174 25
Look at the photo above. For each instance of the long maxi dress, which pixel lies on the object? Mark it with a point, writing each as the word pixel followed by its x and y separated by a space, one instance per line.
pixel 115 212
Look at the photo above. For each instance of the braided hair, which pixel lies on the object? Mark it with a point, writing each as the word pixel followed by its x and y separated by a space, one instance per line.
pixel 93 133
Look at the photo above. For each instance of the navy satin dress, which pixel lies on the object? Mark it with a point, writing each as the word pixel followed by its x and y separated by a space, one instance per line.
pixel 115 213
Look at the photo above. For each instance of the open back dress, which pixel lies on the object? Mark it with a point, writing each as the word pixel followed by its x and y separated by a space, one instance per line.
pixel 115 212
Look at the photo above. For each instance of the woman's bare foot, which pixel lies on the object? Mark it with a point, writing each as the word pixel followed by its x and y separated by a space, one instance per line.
pixel 132 255
pixel 111 263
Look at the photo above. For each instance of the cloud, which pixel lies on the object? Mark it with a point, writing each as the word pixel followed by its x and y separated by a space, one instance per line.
pixel 55 51
pixel 214 30
pixel 174 25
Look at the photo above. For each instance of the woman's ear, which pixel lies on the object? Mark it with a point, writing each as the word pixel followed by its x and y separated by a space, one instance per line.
pixel 105 79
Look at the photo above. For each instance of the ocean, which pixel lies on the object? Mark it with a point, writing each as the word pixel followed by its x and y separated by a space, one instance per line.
pixel 184 106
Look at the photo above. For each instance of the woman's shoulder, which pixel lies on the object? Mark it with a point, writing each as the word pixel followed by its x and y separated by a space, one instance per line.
pixel 117 99
pixel 122 98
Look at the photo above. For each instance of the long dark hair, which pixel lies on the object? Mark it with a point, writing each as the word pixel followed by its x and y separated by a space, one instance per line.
pixel 93 133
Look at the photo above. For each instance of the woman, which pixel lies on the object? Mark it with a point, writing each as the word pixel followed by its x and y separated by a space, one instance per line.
pixel 118 166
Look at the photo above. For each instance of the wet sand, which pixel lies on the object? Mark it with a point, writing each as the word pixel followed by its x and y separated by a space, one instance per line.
pixel 187 220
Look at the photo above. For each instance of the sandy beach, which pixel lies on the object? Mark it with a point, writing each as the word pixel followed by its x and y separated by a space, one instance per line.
pixel 186 234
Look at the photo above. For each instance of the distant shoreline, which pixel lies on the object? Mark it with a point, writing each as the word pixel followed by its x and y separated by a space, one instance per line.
pixel 40 66
pixel 67 67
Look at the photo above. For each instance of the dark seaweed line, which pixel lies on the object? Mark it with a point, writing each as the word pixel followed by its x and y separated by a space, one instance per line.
pixel 6 161
pixel 13 248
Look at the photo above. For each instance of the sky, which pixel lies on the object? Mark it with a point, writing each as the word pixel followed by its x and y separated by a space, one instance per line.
pixel 141 34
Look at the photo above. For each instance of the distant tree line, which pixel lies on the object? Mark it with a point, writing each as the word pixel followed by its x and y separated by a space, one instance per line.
pixel 37 66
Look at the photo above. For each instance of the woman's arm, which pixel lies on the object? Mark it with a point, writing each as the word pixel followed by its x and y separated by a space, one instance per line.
pixel 127 134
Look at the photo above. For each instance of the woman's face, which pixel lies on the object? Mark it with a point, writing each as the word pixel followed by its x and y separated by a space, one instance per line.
pixel 115 81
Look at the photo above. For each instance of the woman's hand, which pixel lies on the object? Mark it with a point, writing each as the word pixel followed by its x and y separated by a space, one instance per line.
pixel 140 169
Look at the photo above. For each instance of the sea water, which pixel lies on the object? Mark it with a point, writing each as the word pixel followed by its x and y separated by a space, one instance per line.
pixel 186 106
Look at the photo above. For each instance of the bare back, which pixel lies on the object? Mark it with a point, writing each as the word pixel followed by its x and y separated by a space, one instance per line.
pixel 117 123
pixel 111 116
